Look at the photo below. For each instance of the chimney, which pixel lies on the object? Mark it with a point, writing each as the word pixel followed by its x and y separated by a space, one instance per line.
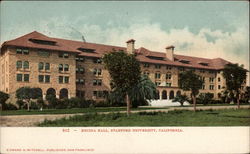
pixel 170 52
pixel 130 46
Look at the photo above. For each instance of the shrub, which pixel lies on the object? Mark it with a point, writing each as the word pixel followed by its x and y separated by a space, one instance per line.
pixel 34 105
pixel 41 103
pixel 87 103
pixel 20 104
pixel 3 99
pixel 102 104
pixel 52 101
pixel 9 106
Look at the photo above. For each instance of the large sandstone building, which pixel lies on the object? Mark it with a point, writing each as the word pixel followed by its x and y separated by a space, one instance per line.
pixel 69 68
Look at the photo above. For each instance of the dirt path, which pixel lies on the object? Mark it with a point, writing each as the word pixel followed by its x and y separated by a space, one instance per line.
pixel 33 120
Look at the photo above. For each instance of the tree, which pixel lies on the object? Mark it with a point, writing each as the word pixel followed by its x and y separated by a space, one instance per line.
pixel 181 99
pixel 27 93
pixel 124 70
pixel 188 81
pixel 3 99
pixel 145 89
pixel 235 76
pixel 205 98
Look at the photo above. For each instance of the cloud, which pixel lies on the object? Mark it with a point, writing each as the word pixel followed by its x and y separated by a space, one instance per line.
pixel 232 46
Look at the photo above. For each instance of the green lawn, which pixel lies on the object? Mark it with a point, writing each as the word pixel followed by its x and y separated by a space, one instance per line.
pixel 227 117
pixel 69 111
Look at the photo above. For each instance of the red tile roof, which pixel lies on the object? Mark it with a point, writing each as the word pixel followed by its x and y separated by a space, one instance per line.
pixel 143 54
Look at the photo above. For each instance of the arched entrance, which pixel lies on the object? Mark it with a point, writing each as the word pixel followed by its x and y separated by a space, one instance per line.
pixel 51 92
pixel 171 94
pixel 164 94
pixel 63 93
pixel 178 93
pixel 157 94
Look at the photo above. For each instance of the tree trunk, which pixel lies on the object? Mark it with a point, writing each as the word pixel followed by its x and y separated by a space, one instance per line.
pixel 194 102
pixel 128 105
pixel 238 101
pixel 28 105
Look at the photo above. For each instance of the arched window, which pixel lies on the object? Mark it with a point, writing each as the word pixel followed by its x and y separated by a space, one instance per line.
pixel 63 93
pixel 40 66
pixel 178 93
pixel 60 67
pixel 171 94
pixel 66 67
pixel 19 64
pixel 157 94
pixel 26 64
pixel 164 94
pixel 51 92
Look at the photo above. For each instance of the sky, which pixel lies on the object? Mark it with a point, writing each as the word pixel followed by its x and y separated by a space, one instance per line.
pixel 207 29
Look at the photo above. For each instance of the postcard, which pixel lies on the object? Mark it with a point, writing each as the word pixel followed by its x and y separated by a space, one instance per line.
pixel 124 77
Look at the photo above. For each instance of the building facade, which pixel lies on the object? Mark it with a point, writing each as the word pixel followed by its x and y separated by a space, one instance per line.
pixel 69 68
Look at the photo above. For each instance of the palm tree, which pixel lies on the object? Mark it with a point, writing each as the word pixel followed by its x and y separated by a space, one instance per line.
pixel 145 89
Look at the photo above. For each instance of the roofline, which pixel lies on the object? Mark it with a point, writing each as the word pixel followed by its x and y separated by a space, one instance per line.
pixel 40 48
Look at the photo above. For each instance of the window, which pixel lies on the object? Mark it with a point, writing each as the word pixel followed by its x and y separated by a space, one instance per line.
pixel 26 77
pixel 19 51
pixel 146 65
pixel 181 69
pixel 168 84
pixel 60 67
pixel 219 86
pixel 157 75
pixel 211 72
pixel 97 60
pixel 202 71
pixel 168 76
pixel 81 59
pixel 19 64
pixel 203 87
pixel 22 51
pixel 63 55
pixel 41 78
pixel 97 72
pixel 26 65
pixel 47 66
pixel 168 67
pixel 66 79
pixel 82 81
pixel 211 79
pixel 43 53
pixel 157 83
pixel 40 66
pixel 146 73
pixel 60 79
pixel 47 78
pixel 19 77
pixel 97 82
pixel 211 87
pixel 157 66
pixel 80 93
pixel 80 69
pixel 219 79
pixel 66 67
pixel 95 93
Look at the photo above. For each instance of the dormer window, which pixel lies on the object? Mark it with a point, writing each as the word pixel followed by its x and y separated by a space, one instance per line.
pixel 184 61
pixel 156 58
pixel 44 42
pixel 203 64
pixel 86 50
